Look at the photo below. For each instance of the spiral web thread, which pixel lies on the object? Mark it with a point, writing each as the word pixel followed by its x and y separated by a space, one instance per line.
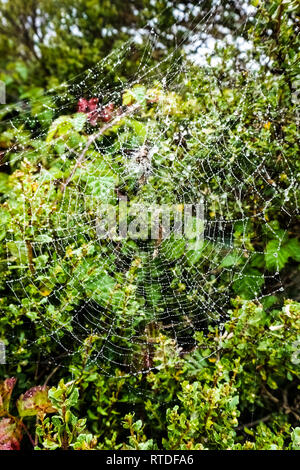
pixel 156 301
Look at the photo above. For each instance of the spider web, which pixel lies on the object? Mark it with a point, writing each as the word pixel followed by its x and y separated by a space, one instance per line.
pixel 125 293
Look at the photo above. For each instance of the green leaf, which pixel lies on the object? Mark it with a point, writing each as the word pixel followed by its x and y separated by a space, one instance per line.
pixel 137 94
pixel 51 445
pixel 43 238
pixel 248 283
pixel 79 121
pixel 172 248
pixel 276 255
pixel 101 187
pixel 22 70
pixel 230 260
pixel 19 251
pixel 60 127
pixel 3 182
pixel 293 247
pixel 234 402
pixel 73 398
pixel 296 438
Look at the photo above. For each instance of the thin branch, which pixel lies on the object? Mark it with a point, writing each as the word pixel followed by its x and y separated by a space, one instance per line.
pixel 254 423
pixel 30 256
pixel 27 432
pixel 51 375
pixel 96 136
pixel 269 394
pixel 19 422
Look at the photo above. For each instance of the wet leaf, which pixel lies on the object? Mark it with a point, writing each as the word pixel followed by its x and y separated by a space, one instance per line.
pixel 10 435
pixel 35 401
pixel 6 388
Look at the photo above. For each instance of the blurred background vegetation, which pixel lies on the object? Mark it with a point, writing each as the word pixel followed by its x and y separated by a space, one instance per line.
pixel 43 42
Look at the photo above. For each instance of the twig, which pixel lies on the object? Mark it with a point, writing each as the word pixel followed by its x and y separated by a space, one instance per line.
pixel 28 433
pixel 269 394
pixel 30 256
pixel 19 422
pixel 94 137
pixel 37 417
pixel 254 423
pixel 50 375
pixel 287 408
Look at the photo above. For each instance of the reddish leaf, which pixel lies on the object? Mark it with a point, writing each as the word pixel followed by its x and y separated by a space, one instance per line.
pixel 93 114
pixel 93 104
pixel 10 435
pixel 35 401
pixel 89 107
pixel 106 112
pixel 93 117
pixel 6 388
pixel 82 105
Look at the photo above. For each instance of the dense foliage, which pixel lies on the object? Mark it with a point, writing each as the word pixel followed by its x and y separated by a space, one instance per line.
pixel 223 377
